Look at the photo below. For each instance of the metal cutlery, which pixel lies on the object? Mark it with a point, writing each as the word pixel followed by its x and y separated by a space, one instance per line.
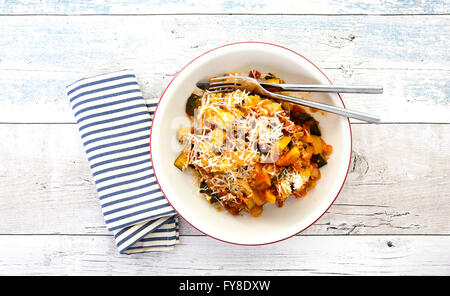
pixel 229 83
pixel 358 89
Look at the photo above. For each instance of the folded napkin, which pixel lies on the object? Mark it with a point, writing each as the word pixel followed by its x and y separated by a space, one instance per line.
pixel 114 123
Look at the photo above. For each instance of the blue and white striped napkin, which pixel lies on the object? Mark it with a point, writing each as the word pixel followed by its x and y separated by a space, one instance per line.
pixel 114 122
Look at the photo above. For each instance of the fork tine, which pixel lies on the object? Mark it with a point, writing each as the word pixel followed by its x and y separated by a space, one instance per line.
pixel 221 90
pixel 218 78
pixel 217 83
pixel 228 87
pixel 226 78
pixel 225 83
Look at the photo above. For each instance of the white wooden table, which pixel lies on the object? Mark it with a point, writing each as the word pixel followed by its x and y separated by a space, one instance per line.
pixel 392 217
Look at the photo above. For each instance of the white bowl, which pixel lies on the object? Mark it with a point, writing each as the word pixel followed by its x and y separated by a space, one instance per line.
pixel 275 223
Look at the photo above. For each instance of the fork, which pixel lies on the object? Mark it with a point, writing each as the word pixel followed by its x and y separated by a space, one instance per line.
pixel 227 83
pixel 358 89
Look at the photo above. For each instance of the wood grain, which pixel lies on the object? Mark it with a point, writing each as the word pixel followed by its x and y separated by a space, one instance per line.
pixel 391 51
pixel 302 255
pixel 225 7
pixel 409 95
pixel 47 186
pixel 391 217
pixel 86 44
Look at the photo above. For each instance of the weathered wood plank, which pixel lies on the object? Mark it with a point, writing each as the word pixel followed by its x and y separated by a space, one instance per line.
pixel 392 51
pixel 409 95
pixel 225 7
pixel 86 44
pixel 302 255
pixel 394 204
pixel 398 183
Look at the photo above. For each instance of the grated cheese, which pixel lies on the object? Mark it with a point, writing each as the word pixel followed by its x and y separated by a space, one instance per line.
pixel 249 133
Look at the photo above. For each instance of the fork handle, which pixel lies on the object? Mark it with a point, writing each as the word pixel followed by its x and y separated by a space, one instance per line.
pixel 360 89
pixel 329 108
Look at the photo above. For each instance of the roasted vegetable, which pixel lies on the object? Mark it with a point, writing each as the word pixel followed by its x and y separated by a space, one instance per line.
pixel 206 190
pixel 301 117
pixel 314 128
pixel 277 149
pixel 262 180
pixel 319 160
pixel 283 174
pixel 213 198
pixel 192 103
pixel 289 158
pixel 181 161
pixel 249 202
pixel 250 151
pixel 317 144
pixel 257 198
pixel 270 197
pixel 283 142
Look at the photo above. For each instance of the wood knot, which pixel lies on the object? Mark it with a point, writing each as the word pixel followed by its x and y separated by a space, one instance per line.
pixel 359 164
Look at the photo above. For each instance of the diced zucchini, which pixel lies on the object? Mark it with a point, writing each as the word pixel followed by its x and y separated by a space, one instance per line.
pixel 317 144
pixel 270 197
pixel 277 149
pixel 258 199
pixel 213 198
pixel 314 128
pixel 204 188
pixel 181 161
pixel 249 202
pixel 301 117
pixel 283 142
pixel 319 160
pixel 193 102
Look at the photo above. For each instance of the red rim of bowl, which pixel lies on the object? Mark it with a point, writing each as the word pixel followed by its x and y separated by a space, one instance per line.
pixel 151 156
